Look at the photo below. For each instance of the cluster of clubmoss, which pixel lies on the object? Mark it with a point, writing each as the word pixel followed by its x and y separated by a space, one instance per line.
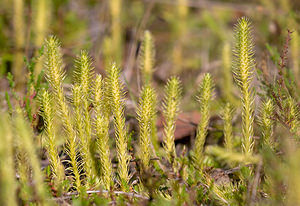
pixel 96 102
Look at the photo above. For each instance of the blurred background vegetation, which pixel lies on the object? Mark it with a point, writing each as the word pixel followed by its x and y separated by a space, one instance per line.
pixel 191 36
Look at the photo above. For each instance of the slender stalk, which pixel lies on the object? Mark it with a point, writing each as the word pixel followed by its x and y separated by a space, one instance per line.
pixel 295 53
pixel 179 23
pixel 41 19
pixel 115 7
pixel 19 41
pixel 147 58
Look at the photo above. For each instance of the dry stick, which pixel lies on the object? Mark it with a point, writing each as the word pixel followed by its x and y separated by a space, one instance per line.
pixel 128 70
pixel 129 194
pixel 255 183
pixel 161 166
pixel 235 169
pixel 136 160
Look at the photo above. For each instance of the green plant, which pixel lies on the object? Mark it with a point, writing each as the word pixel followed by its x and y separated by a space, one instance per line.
pixel 227 74
pixel 170 110
pixel 55 76
pixel 228 135
pixel 84 139
pixel 146 65
pixel 8 183
pixel 48 114
pixel 179 24
pixel 242 67
pixel 77 119
pixel 102 131
pixel 293 117
pixel 25 142
pixel 145 113
pixel 147 58
pixel 23 169
pixel 81 99
pixel 266 122
pixel 113 44
pixel 116 95
pixel 205 96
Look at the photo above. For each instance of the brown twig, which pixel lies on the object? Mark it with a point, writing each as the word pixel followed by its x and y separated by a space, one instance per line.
pixel 235 169
pixel 129 194
pixel 255 183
